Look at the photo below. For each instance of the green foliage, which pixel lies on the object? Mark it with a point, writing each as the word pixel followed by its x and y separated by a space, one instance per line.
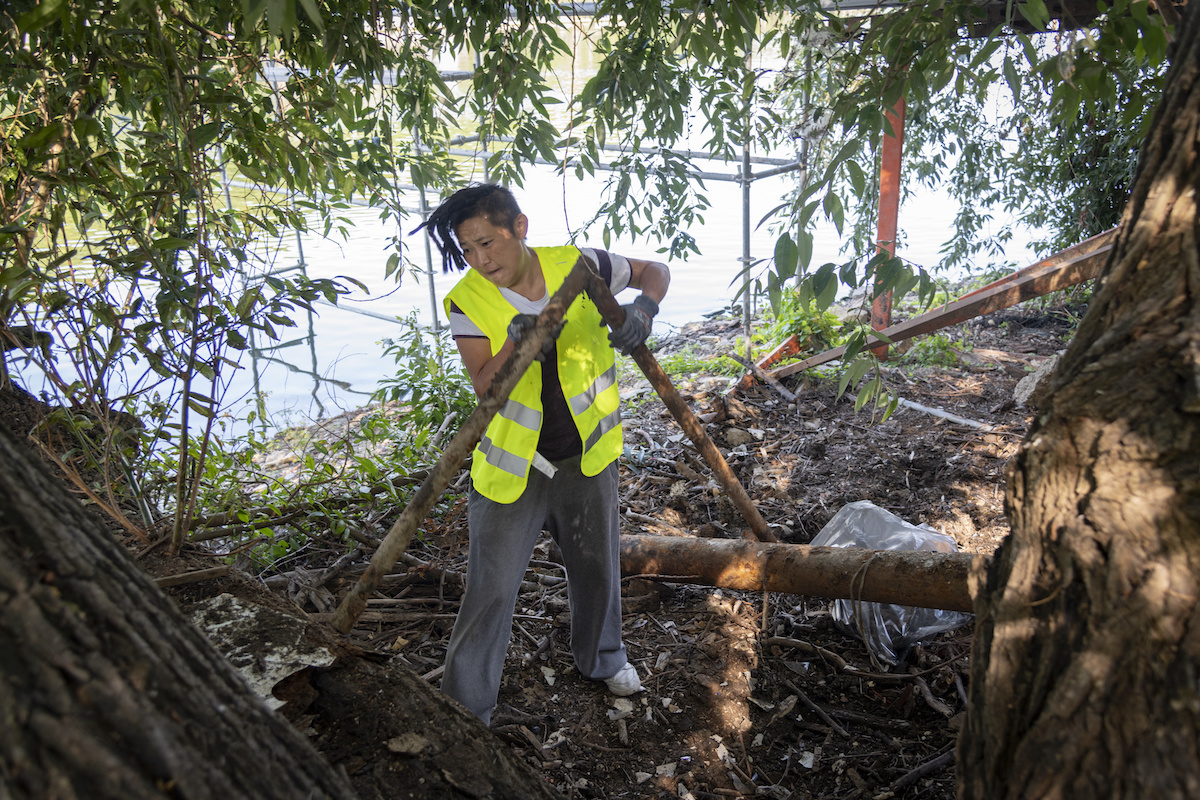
pixel 816 330
pixel 279 500
pixel 429 381
pixel 313 486
pixel 103 457
pixel 865 376
pixel 121 120
pixel 1079 180
pixel 1043 125
pixel 690 360
pixel 936 350
pixel 666 71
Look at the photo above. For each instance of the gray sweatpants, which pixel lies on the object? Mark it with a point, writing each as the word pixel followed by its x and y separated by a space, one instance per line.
pixel 580 513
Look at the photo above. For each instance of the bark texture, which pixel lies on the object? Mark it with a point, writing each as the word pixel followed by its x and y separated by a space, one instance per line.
pixel 906 577
pixel 106 691
pixel 1084 680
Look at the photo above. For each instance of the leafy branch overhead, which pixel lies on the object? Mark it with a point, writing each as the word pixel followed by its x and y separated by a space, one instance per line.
pixel 1043 125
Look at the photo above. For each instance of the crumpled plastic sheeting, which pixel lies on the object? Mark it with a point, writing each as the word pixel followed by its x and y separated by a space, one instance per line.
pixel 886 629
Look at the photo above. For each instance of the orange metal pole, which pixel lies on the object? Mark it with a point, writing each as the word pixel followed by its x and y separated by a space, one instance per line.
pixel 889 211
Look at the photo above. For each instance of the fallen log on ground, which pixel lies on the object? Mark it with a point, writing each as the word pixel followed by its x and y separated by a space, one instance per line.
pixel 904 577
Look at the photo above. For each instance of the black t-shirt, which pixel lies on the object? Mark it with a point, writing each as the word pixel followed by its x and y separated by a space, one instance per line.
pixel 559 438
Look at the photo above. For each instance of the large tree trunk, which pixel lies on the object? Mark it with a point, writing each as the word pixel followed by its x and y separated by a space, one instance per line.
pixel 1084 681
pixel 106 691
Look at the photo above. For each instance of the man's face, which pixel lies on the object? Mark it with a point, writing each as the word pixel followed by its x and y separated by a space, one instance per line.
pixel 499 254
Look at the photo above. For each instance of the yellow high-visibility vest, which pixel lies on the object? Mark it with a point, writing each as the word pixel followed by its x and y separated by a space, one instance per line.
pixel 586 369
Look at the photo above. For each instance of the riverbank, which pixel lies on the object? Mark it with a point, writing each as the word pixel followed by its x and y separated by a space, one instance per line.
pixel 745 693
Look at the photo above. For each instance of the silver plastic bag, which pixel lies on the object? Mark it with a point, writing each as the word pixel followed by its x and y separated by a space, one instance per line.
pixel 886 629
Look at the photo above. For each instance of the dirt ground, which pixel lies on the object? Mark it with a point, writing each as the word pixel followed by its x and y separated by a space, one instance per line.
pixel 745 694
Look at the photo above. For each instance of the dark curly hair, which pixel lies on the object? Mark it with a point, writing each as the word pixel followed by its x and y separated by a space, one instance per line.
pixel 491 201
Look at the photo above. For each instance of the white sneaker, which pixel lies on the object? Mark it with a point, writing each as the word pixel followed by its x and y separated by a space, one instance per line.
pixel 625 682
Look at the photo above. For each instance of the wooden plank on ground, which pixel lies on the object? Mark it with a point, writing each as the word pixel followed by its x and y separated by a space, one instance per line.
pixel 1088 254
pixel 1034 281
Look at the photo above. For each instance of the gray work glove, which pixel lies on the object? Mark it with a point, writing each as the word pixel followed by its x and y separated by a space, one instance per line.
pixel 520 326
pixel 638 316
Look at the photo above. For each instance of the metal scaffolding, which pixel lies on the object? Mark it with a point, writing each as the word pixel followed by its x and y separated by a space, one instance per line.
pixel 744 175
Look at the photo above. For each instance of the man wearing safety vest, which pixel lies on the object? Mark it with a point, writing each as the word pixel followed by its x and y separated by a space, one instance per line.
pixel 549 457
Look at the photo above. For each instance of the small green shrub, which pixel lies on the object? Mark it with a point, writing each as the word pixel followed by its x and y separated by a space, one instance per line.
pixel 429 379
pixel 816 330
pixel 276 500
pixel 937 350
pixel 690 361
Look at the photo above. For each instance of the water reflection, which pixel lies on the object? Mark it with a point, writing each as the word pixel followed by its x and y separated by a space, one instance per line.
pixel 336 361
pixel 340 359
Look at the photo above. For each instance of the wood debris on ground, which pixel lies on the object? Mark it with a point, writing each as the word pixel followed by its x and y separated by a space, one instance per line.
pixel 745 693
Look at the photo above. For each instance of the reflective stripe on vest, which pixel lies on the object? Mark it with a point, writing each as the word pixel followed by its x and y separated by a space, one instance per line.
pixel 607 424
pixel 522 415
pixel 583 402
pixel 587 371
pixel 497 456
pixel 500 458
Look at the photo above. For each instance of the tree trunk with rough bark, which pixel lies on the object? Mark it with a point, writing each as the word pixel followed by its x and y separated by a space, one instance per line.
pixel 106 691
pixel 1085 677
